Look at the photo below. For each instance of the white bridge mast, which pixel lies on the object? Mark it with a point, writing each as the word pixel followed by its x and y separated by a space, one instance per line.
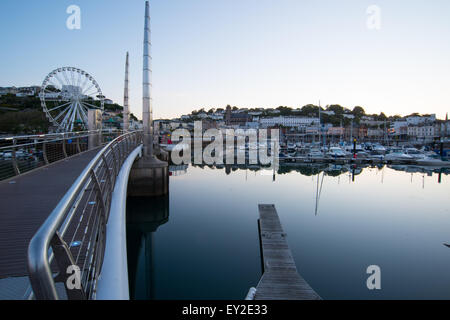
pixel 147 116
pixel 126 110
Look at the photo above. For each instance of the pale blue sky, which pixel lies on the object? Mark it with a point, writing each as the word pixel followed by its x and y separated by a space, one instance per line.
pixel 248 53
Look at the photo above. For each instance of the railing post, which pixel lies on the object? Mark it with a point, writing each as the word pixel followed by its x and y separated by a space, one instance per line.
pixel 108 172
pixel 99 192
pixel 104 219
pixel 78 145
pixel 114 160
pixel 14 159
pixel 65 260
pixel 119 147
pixel 100 134
pixel 44 151
pixel 64 145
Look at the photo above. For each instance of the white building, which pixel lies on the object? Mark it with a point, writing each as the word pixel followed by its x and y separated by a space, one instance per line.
pixel 372 122
pixel 375 132
pixel 416 120
pixel 252 125
pixel 288 121
pixel 136 125
pixel 51 95
pixel 421 132
pixel 8 90
pixel 442 128
pixel 399 127
pixel 216 116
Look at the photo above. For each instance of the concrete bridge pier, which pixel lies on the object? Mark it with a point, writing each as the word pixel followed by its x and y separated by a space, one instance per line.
pixel 149 177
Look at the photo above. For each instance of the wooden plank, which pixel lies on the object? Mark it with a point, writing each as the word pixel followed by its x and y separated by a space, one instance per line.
pixel 280 279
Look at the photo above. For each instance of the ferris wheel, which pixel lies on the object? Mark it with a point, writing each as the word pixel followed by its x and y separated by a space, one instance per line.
pixel 66 96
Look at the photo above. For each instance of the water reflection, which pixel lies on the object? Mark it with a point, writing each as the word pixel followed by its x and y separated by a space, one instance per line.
pixel 339 219
pixel 144 216
pixel 329 169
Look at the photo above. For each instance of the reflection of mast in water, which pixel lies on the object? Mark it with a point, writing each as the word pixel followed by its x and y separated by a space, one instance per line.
pixel 318 191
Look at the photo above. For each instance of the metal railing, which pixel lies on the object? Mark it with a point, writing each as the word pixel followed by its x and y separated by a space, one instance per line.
pixel 69 247
pixel 20 154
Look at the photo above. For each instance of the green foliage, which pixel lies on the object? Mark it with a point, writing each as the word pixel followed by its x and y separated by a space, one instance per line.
pixel 285 111
pixel 29 117
pixel 358 112
pixel 25 122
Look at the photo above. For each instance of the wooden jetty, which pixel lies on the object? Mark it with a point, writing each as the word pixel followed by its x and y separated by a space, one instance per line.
pixel 280 279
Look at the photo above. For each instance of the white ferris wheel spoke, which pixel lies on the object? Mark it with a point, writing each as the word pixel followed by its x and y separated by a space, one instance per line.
pixel 68 118
pixel 91 105
pixel 83 114
pixel 63 105
pixel 86 78
pixel 88 89
pixel 65 77
pixel 59 79
pixel 61 114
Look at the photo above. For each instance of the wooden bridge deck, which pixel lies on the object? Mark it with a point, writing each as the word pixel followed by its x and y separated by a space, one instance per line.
pixel 280 279
pixel 25 203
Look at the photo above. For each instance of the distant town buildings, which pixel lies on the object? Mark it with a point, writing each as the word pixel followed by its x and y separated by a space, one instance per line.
pixel 365 128
pixel 288 121
pixel 334 123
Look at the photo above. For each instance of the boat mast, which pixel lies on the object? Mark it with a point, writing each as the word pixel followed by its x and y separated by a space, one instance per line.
pixel 320 127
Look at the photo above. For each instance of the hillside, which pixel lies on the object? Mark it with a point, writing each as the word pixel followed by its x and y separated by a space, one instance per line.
pixel 24 115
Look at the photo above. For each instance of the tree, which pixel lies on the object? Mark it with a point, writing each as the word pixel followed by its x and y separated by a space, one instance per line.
pixel 358 112
pixel 285 111
pixel 337 109
pixel 381 117
pixel 310 109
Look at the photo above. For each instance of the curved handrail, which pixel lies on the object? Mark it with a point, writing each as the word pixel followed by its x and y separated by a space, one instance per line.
pixel 82 212
pixel 20 154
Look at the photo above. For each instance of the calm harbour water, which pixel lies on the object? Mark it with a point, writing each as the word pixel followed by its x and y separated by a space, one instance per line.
pixel 201 242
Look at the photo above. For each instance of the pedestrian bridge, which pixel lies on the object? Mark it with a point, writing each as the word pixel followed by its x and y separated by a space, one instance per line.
pixel 59 198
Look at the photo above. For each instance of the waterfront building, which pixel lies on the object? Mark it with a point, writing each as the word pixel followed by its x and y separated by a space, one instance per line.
pixel 420 119
pixel 425 133
pixel 236 119
pixel 375 133
pixel 336 131
pixel 288 121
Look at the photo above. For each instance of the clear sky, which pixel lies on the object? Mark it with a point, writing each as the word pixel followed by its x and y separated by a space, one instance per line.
pixel 248 53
